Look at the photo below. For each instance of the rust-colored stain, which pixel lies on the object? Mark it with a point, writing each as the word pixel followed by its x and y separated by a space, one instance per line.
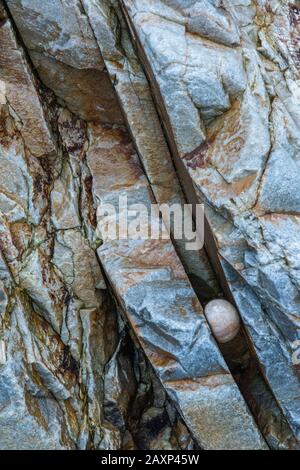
pixel 297 369
pixel 150 254
pixel 113 159
pixel 276 219
pixel 160 358
pixel 210 381
pixel 88 184
pixel 294 18
pixel 243 184
pixel 198 157
pixel 182 311
pixel 197 306
pixel 33 407
pixel 21 233
pixel 7 129
pixel 294 14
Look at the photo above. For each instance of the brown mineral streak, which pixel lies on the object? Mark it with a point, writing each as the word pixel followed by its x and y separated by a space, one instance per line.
pixel 294 17
pixel 198 158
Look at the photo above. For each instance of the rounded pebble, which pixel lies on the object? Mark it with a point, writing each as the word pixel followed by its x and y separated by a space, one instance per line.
pixel 223 319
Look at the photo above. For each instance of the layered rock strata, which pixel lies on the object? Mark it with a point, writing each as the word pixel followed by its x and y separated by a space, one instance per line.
pixel 103 343
pixel 71 376
pixel 233 75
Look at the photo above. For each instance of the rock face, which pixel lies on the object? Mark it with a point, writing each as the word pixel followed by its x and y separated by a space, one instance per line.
pixel 239 95
pixel 104 343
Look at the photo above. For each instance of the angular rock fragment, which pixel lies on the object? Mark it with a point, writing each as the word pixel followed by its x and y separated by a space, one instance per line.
pixel 65 53
pixel 20 92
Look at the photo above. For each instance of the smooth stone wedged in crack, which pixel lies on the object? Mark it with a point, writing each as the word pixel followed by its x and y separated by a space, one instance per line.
pixel 59 334
pixel 223 319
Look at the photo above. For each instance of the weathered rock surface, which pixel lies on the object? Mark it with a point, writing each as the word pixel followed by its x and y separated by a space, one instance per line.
pixel 103 343
pixel 63 49
pixel 20 91
pixel 229 98
pixel 135 97
pixel 62 339
pixel 163 310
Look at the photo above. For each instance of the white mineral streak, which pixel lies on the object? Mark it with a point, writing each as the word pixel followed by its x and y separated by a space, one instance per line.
pixel 2 352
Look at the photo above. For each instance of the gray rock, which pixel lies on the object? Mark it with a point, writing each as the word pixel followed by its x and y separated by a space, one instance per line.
pixel 161 101
pixel 245 166
pixel 63 49
pixel 162 309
